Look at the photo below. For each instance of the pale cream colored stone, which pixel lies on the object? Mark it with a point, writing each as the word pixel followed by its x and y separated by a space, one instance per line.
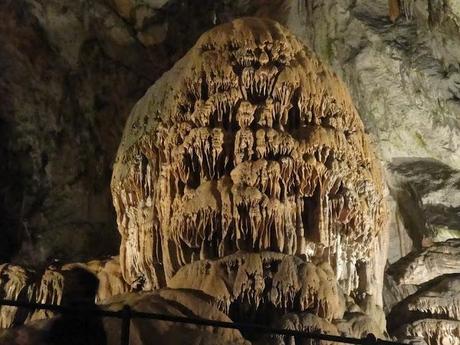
pixel 248 143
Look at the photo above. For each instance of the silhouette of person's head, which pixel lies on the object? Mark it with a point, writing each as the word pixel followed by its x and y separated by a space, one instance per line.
pixel 80 287
pixel 81 327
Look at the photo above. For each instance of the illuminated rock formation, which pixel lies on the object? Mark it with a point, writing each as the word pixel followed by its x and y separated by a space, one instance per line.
pixel 422 266
pixel 70 283
pixel 431 313
pixel 244 175
pixel 249 144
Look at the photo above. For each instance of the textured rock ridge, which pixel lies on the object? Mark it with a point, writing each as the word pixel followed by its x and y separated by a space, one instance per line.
pixel 266 279
pixel 424 265
pixel 432 312
pixel 96 281
pixel 248 143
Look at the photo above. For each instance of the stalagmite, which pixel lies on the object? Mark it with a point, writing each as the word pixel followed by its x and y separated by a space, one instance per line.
pixel 251 180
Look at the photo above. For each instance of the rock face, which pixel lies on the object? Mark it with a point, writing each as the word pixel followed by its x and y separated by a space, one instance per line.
pixel 431 312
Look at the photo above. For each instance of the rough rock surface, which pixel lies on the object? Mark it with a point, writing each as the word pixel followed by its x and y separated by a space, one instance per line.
pixel 95 281
pixel 87 62
pixel 248 143
pixel 437 260
pixel 245 173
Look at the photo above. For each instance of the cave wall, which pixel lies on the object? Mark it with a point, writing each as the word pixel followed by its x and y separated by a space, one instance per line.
pixel 72 70
pixel 86 64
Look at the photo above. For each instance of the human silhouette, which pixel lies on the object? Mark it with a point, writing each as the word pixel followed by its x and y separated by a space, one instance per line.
pixel 79 328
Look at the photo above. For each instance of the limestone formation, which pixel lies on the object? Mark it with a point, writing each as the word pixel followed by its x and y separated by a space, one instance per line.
pixel 248 143
pixel 260 280
pixel 399 59
pixel 96 281
pixel 422 266
pixel 244 173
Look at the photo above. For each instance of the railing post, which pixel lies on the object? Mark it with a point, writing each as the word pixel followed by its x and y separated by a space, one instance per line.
pixel 125 324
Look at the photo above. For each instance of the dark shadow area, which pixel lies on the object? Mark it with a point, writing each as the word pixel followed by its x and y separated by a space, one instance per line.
pixel 442 215
pixel 425 174
pixel 11 189
pixel 80 328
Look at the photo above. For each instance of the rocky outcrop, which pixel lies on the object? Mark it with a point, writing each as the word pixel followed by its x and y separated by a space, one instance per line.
pixel 419 267
pixel 431 312
pixel 96 281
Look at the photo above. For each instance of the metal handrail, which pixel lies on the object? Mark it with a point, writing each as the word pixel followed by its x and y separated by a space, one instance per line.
pixel 126 314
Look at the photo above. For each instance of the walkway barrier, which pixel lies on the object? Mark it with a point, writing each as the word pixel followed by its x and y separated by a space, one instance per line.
pixel 126 314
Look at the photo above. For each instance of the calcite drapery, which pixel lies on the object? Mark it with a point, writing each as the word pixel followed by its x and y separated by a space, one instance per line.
pixel 284 281
pixel 248 143
pixel 70 283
